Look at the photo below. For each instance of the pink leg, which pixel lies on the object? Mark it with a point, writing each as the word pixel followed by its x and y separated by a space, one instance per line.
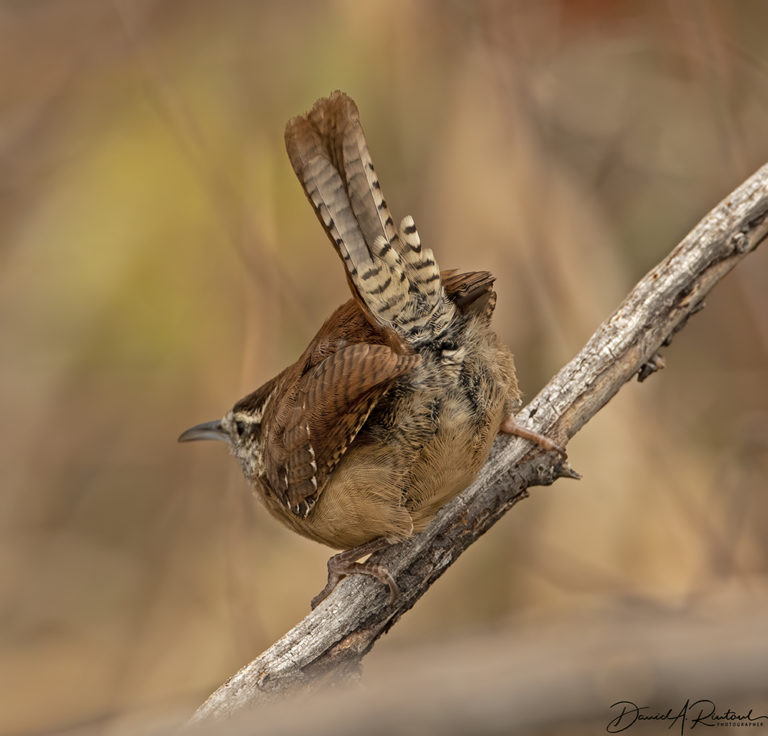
pixel 510 426
pixel 346 563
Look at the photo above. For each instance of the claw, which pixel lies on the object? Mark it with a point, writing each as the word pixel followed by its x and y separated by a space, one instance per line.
pixel 346 563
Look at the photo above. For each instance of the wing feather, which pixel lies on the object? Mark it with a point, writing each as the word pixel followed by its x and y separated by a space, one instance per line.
pixel 316 425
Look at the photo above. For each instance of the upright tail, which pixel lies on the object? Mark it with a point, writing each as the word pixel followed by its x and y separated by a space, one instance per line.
pixel 395 280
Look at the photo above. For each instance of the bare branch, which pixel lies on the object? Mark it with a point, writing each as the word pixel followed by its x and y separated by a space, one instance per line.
pixel 331 641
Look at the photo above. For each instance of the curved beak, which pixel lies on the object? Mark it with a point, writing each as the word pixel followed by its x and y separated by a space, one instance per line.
pixel 205 431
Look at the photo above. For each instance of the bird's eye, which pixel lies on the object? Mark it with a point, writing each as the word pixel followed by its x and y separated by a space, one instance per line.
pixel 240 428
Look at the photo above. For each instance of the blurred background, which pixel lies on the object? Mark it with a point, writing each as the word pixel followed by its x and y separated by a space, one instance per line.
pixel 158 260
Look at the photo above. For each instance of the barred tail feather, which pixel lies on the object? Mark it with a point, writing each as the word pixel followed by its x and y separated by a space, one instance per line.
pixel 365 193
pixel 396 281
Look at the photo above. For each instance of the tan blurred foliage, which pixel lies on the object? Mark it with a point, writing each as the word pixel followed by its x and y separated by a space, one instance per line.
pixel 158 260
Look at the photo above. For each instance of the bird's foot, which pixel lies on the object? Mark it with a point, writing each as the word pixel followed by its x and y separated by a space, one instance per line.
pixel 346 563
pixel 510 426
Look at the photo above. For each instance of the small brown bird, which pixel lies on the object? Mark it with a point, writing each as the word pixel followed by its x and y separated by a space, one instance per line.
pixel 391 410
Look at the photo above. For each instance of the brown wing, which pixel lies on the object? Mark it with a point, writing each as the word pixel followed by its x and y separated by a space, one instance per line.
pixel 471 292
pixel 316 424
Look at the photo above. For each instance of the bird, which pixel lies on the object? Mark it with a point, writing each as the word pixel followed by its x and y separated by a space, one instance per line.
pixel 391 410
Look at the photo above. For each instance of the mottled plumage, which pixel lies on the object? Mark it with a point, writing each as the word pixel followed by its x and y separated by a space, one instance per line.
pixel 392 408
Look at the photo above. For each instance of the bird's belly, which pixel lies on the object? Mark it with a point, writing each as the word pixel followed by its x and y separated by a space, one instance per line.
pixel 452 459
pixel 391 491
pixel 423 444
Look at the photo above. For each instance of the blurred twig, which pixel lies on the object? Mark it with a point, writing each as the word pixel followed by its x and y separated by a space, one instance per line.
pixel 503 681
pixel 331 641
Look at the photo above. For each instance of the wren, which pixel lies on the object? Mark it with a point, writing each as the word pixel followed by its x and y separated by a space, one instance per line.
pixel 391 410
